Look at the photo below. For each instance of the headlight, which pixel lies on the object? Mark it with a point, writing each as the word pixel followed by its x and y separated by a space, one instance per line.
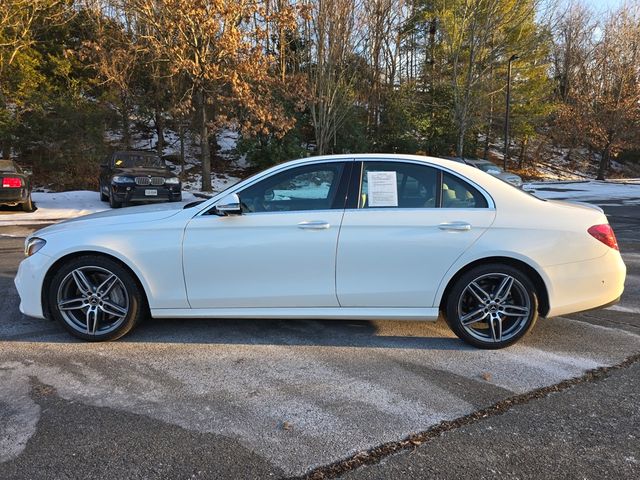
pixel 121 179
pixel 172 181
pixel 32 245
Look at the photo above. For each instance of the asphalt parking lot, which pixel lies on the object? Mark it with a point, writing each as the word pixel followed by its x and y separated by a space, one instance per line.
pixel 273 399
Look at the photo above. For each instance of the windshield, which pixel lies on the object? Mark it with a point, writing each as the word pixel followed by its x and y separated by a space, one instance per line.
pixel 7 166
pixel 130 160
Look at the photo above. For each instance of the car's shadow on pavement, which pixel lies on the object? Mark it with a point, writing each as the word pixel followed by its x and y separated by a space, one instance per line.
pixel 326 333
pixel 291 332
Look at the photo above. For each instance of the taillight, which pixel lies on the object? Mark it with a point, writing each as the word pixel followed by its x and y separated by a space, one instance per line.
pixel 11 182
pixel 605 234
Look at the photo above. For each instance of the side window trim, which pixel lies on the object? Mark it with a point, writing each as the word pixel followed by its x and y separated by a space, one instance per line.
pixel 355 186
pixel 342 195
pixel 210 210
pixel 356 183
pixel 337 186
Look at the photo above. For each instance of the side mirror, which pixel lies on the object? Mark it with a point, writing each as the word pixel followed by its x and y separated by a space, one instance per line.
pixel 27 171
pixel 230 205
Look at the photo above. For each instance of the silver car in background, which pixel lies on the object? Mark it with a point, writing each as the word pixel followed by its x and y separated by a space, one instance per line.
pixel 495 170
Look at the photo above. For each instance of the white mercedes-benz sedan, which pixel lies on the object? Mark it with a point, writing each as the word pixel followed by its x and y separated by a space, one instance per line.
pixel 365 237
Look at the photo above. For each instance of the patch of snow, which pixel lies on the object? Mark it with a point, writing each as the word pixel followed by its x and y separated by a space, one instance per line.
pixel 219 182
pixel 627 192
pixel 227 139
pixel 56 206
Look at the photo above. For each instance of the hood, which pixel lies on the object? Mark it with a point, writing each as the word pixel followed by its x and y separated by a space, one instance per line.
pixel 139 214
pixel 144 171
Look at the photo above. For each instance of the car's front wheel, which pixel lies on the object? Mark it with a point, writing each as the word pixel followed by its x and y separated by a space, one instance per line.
pixel 103 196
pixel 95 298
pixel 492 306
pixel 113 203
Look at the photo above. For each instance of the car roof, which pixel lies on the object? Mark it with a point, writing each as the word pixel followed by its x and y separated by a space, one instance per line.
pixel 375 156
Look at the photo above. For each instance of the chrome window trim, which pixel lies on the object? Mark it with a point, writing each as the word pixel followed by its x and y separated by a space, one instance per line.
pixel 241 185
pixel 491 204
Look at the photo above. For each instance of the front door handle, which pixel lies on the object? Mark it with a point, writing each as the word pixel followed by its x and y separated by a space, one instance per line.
pixel 314 225
pixel 455 226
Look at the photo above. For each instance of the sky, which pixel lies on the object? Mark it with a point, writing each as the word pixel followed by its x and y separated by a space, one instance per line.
pixel 604 5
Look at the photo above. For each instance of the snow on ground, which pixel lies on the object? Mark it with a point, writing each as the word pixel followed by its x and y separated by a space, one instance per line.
pixel 56 206
pixel 626 192
pixel 218 182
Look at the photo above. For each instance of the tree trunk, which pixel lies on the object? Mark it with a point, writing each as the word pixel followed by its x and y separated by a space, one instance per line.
pixel 523 149
pixel 462 130
pixel 126 121
pixel 159 121
pixel 603 168
pixel 204 142
pixel 182 165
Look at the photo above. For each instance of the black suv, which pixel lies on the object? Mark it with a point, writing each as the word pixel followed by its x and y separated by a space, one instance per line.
pixel 138 176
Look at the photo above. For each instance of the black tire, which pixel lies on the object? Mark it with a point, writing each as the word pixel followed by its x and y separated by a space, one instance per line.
pixel 100 324
pixel 103 196
pixel 27 205
pixel 113 203
pixel 494 319
pixel 176 199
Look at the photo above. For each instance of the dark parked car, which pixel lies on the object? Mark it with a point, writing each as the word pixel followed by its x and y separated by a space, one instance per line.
pixel 15 185
pixel 137 176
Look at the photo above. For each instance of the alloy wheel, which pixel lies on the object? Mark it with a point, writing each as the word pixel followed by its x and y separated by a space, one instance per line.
pixel 92 300
pixel 494 307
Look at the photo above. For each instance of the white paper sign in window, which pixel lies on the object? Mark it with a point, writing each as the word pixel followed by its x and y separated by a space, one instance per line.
pixel 382 189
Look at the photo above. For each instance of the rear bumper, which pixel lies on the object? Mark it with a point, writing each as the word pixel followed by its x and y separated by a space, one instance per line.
pixel 136 193
pixel 13 196
pixel 588 285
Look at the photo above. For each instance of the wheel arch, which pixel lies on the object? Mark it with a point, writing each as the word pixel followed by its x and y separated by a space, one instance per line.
pixel 46 284
pixel 531 272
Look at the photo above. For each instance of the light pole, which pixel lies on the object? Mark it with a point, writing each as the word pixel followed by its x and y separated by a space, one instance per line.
pixel 508 111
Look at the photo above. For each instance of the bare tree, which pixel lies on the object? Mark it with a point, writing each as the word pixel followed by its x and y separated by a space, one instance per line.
pixel 216 47
pixel 332 29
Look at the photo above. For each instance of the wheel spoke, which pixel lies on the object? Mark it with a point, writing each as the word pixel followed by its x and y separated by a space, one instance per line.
pixel 514 311
pixel 83 283
pixel 72 304
pixel 111 308
pixel 504 289
pixel 106 286
pixel 478 292
pixel 473 317
pixel 92 320
pixel 495 322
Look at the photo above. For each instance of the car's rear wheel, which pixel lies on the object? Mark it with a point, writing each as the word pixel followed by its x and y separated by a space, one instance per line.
pixel 27 205
pixel 95 298
pixel 492 306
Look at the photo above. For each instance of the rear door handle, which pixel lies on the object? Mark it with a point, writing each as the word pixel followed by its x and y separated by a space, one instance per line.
pixel 455 226
pixel 314 225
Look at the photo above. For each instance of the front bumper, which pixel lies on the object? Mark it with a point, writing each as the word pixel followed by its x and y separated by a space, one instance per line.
pixel 135 193
pixel 29 281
